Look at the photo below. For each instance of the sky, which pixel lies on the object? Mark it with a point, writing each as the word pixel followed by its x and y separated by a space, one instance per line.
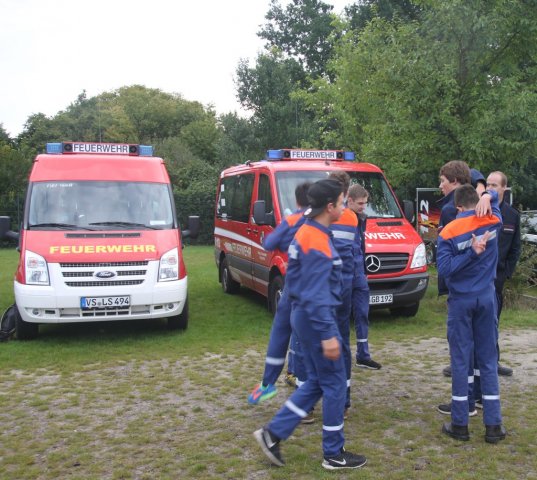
pixel 52 50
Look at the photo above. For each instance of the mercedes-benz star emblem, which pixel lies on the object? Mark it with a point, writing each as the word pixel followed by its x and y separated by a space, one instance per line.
pixel 372 263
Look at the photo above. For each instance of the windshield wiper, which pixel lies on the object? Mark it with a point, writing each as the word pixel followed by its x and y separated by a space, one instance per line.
pixel 69 226
pixel 123 224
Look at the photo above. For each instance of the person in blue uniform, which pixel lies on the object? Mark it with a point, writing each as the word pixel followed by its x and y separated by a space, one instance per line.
pixel 280 239
pixel 357 201
pixel 314 283
pixel 344 232
pixel 467 256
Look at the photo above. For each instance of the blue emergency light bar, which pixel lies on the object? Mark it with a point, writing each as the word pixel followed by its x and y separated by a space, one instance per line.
pixel 99 148
pixel 292 154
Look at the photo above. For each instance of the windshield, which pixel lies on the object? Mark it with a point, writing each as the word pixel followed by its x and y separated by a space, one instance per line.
pixel 382 203
pixel 100 205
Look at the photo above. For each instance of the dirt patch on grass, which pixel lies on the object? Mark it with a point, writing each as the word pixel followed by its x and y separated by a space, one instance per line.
pixel 153 419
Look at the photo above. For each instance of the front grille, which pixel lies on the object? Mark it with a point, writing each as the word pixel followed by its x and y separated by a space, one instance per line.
pixel 389 263
pixel 114 274
pixel 104 264
pixel 109 283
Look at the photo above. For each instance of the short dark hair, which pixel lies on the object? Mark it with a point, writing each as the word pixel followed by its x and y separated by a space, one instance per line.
pixel 457 170
pixel 342 177
pixel 301 194
pixel 465 196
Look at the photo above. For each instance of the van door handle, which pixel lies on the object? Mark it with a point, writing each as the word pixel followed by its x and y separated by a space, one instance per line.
pixel 255 231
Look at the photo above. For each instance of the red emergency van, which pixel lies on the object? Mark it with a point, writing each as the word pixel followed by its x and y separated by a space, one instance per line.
pixel 100 239
pixel 253 198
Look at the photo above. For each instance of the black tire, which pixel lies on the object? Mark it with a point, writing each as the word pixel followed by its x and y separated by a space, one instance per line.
pixel 228 284
pixel 25 330
pixel 406 311
pixel 275 293
pixel 179 322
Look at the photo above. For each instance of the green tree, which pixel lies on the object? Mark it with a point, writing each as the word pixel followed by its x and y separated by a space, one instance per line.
pixel 302 30
pixel 360 13
pixel 460 83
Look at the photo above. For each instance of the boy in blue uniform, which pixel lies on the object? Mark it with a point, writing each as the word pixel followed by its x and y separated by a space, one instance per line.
pixel 467 256
pixel 314 283
pixel 357 202
pixel 280 239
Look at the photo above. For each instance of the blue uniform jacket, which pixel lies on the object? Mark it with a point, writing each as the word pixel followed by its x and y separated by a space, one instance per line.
pixel 280 238
pixel 509 246
pixel 465 272
pixel 314 277
pixel 346 241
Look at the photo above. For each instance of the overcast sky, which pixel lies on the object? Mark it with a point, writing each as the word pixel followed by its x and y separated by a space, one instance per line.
pixel 52 50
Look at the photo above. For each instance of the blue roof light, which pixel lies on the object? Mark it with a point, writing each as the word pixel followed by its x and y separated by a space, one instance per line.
pixel 145 150
pixel 54 148
pixel 274 154
pixel 349 156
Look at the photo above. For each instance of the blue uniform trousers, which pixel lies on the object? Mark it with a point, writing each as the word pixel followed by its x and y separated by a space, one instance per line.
pixel 360 305
pixel 472 333
pixel 325 378
pixel 343 314
pixel 278 341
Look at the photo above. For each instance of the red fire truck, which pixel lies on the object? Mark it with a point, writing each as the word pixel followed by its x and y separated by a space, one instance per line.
pixel 253 198
pixel 100 239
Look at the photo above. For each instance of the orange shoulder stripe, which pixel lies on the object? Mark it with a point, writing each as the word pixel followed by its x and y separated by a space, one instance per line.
pixel 311 238
pixel 348 217
pixel 293 218
pixel 463 225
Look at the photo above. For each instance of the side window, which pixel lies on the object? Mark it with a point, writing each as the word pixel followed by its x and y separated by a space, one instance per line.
pixel 234 197
pixel 264 192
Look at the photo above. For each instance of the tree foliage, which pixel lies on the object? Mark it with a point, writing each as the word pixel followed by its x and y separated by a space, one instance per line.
pixel 460 83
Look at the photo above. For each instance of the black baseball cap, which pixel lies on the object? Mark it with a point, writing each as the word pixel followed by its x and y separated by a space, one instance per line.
pixel 320 194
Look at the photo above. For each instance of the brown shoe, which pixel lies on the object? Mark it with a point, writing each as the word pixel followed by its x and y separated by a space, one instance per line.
pixel 308 419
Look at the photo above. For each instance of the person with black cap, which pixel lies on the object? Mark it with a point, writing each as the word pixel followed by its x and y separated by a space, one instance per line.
pixel 314 283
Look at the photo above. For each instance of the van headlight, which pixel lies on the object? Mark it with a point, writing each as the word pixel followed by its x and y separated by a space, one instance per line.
pixel 420 257
pixel 169 266
pixel 35 269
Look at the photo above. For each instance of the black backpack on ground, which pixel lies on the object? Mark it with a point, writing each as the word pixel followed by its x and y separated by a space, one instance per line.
pixel 7 324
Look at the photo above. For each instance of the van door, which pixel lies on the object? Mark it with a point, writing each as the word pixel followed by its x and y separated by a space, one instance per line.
pixel 261 259
pixel 236 211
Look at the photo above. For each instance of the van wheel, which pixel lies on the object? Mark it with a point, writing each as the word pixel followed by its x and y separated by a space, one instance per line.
pixel 179 322
pixel 228 284
pixel 275 293
pixel 25 330
pixel 406 311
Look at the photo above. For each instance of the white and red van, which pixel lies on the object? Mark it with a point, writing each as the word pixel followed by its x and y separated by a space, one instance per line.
pixel 100 239
pixel 253 198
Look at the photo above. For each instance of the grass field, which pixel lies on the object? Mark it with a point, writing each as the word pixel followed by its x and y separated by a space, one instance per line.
pixel 135 401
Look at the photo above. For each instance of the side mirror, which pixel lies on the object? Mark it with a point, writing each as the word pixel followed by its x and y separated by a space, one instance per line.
pixel 260 212
pixel 5 232
pixel 408 208
pixel 193 227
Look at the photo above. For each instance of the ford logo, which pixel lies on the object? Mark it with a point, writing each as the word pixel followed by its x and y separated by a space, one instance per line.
pixel 105 274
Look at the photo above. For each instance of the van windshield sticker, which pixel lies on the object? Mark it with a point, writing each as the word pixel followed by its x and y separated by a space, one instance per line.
pixel 59 185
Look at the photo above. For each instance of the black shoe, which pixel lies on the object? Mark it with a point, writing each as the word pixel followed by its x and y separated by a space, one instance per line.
pixel 270 446
pixel 447 371
pixel 344 460
pixel 457 432
pixel 371 364
pixel 494 433
pixel 445 408
pixel 504 371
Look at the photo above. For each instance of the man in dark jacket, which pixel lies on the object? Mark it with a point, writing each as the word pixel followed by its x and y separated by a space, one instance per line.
pixel 508 245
